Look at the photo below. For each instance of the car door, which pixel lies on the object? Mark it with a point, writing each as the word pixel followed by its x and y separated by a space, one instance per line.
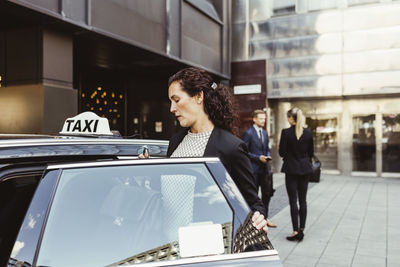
pixel 160 212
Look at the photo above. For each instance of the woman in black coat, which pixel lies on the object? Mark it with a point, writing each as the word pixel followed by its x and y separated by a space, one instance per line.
pixel 297 148
pixel 204 109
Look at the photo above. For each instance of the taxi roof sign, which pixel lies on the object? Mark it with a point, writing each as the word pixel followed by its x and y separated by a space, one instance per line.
pixel 86 123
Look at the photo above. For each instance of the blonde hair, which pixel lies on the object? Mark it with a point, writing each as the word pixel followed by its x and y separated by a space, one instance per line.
pixel 299 119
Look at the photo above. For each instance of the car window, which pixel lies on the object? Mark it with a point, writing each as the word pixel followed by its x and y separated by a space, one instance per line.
pixel 129 214
pixel 15 195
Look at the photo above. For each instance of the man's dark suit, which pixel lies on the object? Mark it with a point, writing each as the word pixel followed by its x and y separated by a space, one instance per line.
pixel 234 156
pixel 263 177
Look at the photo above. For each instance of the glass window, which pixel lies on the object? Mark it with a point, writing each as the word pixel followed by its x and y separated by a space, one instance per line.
pixel 364 144
pixel 210 7
pixel 325 141
pixel 284 7
pixel 315 5
pixel 129 214
pixel 16 193
pixel 284 11
pixel 391 143
pixel 360 2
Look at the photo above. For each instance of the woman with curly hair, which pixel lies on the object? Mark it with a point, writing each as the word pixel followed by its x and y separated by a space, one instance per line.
pixel 204 108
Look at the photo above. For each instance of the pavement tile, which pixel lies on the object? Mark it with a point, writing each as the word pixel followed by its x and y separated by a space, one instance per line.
pixel 376 248
pixel 368 235
pixel 393 251
pixel 345 236
pixel 337 260
pixel 348 228
pixel 394 218
pixel 366 261
pixel 294 265
pixel 394 213
pixel 374 233
pixel 349 219
pixel 375 221
pixel 372 213
pixel 332 252
pixel 393 201
pixel 377 205
pixel 301 260
pixel 394 235
pixel 393 260
pixel 337 245
pixel 283 248
pixel 325 264
pixel 311 249
pixel 393 245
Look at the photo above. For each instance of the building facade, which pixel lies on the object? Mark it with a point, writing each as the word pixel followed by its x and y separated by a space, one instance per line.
pixel 62 57
pixel 337 60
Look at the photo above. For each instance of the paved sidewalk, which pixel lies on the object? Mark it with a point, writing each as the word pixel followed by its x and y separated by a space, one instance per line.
pixel 351 221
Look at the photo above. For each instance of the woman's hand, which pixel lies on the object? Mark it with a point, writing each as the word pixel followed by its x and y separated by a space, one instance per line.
pixel 143 153
pixel 141 156
pixel 259 221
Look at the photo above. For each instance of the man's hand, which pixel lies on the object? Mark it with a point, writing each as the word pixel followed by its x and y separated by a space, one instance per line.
pixel 259 221
pixel 263 159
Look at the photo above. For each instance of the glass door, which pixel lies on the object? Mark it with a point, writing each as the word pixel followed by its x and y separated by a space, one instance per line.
pixel 391 143
pixel 364 143
pixel 325 141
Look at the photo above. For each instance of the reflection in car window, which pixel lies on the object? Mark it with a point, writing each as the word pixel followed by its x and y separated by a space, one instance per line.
pixel 16 193
pixel 129 214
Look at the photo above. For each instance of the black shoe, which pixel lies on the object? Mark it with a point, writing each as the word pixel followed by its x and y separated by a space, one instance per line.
pixel 301 235
pixel 297 237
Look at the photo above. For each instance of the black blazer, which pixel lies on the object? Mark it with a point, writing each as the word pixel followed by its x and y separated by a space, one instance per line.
pixel 233 154
pixel 256 148
pixel 296 154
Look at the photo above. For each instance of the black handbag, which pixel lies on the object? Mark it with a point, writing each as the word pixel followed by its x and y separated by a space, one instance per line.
pixel 316 170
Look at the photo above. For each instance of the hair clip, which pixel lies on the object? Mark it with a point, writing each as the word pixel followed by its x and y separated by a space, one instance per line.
pixel 214 86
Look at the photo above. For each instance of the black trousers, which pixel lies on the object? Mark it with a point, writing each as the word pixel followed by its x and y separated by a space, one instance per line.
pixel 296 187
pixel 265 182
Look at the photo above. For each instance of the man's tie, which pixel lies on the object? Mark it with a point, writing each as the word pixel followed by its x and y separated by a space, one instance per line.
pixel 261 137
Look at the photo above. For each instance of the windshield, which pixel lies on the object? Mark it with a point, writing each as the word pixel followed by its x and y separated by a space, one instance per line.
pixel 106 215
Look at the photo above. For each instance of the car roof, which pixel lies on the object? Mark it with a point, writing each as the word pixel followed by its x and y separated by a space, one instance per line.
pixel 150 161
pixel 56 140
pixel 85 136
pixel 29 147
pixel 25 136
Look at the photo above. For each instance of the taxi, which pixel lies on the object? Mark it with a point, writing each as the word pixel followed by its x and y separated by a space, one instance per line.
pixel 83 198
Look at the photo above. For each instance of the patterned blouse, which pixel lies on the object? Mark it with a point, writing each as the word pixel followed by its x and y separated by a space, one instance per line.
pixel 192 145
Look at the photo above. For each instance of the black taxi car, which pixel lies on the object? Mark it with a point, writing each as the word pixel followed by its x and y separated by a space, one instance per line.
pixel 79 201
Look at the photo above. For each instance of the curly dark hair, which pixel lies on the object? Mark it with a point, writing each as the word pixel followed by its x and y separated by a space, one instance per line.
pixel 218 102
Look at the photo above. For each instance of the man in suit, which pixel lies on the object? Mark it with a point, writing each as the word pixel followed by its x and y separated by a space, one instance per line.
pixel 256 139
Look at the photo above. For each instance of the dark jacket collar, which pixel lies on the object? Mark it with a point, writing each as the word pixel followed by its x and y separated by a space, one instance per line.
pixel 211 147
